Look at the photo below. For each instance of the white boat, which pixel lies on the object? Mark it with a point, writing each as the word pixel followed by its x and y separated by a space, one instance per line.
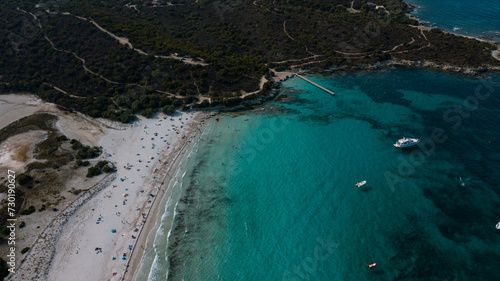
pixel 360 184
pixel 406 142
pixel 498 225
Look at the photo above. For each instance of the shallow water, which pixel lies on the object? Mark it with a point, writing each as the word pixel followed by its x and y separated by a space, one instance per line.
pixel 270 195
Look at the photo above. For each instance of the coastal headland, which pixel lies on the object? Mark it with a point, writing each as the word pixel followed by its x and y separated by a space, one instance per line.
pixel 98 226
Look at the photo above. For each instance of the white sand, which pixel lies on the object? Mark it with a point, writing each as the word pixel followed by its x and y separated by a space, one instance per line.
pixel 75 257
pixel 17 151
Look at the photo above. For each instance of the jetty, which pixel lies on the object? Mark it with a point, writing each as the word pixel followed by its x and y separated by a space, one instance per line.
pixel 317 85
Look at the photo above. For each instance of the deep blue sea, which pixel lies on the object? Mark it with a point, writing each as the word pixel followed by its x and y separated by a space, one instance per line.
pixel 478 18
pixel 270 194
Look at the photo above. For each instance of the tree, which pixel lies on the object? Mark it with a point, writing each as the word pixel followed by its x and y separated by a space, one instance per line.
pixel 93 171
pixel 4 268
pixel 148 112
pixel 24 179
pixel 169 109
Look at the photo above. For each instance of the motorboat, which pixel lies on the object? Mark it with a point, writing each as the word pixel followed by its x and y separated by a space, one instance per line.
pixel 360 184
pixel 406 142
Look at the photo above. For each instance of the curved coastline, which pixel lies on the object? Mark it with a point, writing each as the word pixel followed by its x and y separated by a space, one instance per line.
pixel 425 24
pixel 147 232
pixel 454 19
pixel 154 212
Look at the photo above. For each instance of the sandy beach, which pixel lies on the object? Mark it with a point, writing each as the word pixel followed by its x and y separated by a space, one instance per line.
pixel 154 213
pixel 143 155
pixel 94 237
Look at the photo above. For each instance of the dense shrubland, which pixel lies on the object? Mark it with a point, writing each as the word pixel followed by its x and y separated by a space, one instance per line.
pixel 239 40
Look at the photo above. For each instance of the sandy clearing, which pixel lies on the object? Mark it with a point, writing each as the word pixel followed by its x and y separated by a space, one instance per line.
pixel 17 151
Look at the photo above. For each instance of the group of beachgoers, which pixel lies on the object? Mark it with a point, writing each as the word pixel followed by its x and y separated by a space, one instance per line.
pixel 153 141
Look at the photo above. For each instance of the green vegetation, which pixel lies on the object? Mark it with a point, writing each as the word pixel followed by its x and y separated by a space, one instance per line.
pixel 107 169
pixel 168 109
pixel 41 180
pixel 239 41
pixel 97 169
pixel 49 149
pixel 81 163
pixel 148 112
pixel 41 122
pixel 87 152
pixel 25 250
pixel 84 152
pixel 28 211
pixel 76 192
pixel 24 179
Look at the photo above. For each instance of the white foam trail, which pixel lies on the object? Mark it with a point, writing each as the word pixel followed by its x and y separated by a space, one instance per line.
pixel 156 265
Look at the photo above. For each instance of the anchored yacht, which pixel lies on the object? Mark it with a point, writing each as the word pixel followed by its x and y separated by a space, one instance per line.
pixel 360 184
pixel 406 142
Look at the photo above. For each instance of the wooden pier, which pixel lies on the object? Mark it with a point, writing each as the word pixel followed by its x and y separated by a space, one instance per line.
pixel 317 85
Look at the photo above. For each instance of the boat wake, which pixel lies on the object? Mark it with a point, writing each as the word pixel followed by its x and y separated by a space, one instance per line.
pixel 464 182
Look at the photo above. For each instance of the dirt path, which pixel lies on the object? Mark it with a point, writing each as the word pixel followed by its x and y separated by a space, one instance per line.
pixel 64 92
pixel 289 36
pixel 263 80
pixel 290 60
pixel 255 4
pixel 352 10
pixel 125 41
pixel 307 63
pixel 122 40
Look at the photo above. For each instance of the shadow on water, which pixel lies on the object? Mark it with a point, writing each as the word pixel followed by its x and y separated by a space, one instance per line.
pixel 366 188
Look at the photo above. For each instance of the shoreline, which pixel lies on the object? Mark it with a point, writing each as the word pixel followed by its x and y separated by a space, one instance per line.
pixel 424 25
pixel 134 261
pixel 135 257
pixel 69 239
pixel 138 182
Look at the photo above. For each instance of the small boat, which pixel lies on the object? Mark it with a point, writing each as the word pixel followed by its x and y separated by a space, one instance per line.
pixel 360 184
pixel 371 265
pixel 498 225
pixel 406 142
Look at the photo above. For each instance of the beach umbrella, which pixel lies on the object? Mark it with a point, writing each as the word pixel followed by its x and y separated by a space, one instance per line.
pixel 113 230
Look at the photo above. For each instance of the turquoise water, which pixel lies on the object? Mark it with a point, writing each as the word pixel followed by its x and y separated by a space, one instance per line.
pixel 478 18
pixel 270 194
